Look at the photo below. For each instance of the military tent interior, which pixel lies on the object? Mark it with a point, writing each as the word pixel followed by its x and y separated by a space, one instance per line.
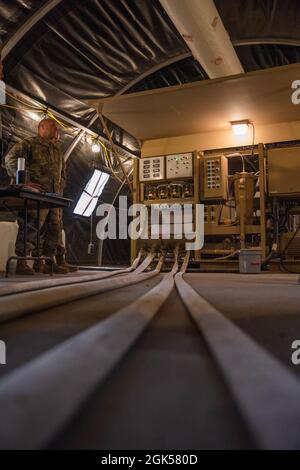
pixel 155 343
pixel 64 54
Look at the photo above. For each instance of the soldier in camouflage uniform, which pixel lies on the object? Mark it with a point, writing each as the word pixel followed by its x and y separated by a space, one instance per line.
pixel 44 173
pixel 52 227
pixel 52 232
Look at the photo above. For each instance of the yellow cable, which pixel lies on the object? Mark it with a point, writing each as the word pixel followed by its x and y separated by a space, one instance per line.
pixel 60 123
pixel 108 160
pixel 36 110
pixel 42 109
pixel 18 100
pixel 21 109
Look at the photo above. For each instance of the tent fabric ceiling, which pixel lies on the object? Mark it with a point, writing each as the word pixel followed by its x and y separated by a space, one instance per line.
pixel 252 19
pixel 257 57
pixel 14 13
pixel 188 70
pixel 95 48
pixel 183 71
pixel 91 49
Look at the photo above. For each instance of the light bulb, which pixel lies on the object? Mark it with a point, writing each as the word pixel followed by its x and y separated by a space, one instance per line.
pixel 95 147
pixel 240 127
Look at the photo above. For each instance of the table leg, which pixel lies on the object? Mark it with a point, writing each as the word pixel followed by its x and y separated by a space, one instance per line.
pixel 25 226
pixel 38 234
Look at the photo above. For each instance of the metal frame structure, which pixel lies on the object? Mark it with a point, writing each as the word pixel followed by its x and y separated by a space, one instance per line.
pixel 154 69
pixel 77 139
pixel 261 41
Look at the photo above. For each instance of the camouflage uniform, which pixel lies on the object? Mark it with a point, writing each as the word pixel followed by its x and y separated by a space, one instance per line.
pixel 60 247
pixel 44 166
pixel 54 225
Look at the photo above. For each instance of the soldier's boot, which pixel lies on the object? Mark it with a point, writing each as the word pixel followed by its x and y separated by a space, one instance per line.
pixel 23 269
pixel 56 268
pixel 61 261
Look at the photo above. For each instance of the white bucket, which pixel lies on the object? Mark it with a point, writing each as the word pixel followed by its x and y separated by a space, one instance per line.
pixel 250 261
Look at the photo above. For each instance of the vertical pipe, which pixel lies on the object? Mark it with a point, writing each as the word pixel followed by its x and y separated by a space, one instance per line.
pixel 25 226
pixel 262 199
pixel 135 199
pixel 242 209
pixel 38 235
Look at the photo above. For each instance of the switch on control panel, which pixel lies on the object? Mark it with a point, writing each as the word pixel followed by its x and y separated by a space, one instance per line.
pixel 152 169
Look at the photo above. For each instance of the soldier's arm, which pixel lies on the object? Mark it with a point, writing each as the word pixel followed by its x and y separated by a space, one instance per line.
pixel 21 149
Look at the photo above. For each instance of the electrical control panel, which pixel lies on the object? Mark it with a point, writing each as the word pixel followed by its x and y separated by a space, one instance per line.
pixel 283 171
pixel 152 169
pixel 215 176
pixel 179 165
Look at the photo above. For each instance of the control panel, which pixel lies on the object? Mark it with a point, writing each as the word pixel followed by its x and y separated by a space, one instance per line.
pixel 215 177
pixel 152 169
pixel 180 165
pixel 283 171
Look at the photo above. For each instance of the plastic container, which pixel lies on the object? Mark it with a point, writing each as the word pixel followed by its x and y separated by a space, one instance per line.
pixel 250 261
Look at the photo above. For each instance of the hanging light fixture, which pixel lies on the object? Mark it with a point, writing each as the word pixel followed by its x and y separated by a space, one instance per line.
pixel 96 147
pixel 240 127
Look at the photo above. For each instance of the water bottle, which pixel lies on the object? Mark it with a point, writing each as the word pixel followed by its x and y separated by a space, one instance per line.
pixel 21 172
pixel 91 249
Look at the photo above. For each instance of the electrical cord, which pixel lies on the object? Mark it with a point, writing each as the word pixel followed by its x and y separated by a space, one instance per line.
pixel 32 108
pixel 234 253
pixel 244 158
pixel 252 166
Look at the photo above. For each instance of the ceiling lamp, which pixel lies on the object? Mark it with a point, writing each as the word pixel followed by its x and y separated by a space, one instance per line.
pixel 95 147
pixel 240 127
